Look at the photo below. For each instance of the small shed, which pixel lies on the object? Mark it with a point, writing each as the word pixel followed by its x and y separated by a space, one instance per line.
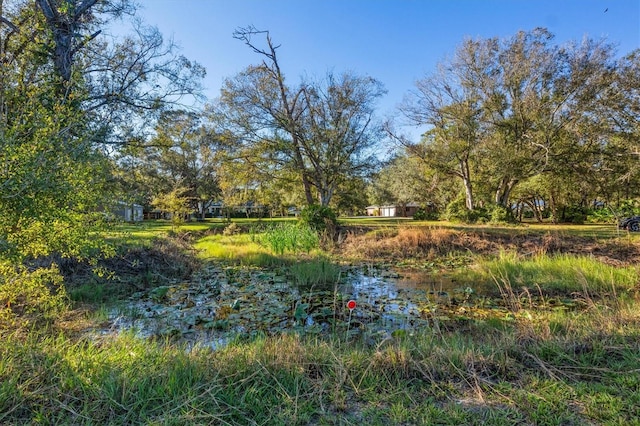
pixel 129 212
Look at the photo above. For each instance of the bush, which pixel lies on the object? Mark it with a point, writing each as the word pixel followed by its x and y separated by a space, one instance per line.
pixel 577 215
pixel 28 297
pixel 319 218
pixel 629 207
pixel 501 214
pixel 457 211
pixel 602 215
pixel 422 214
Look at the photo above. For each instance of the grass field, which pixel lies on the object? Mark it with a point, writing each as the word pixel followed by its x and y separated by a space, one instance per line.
pixel 561 350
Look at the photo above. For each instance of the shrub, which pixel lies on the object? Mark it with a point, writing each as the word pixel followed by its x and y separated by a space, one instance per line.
pixel 457 211
pixel 602 215
pixel 317 217
pixel 422 214
pixel 501 214
pixel 28 297
pixel 575 215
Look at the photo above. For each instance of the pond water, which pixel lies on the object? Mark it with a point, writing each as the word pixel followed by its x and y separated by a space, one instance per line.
pixel 221 302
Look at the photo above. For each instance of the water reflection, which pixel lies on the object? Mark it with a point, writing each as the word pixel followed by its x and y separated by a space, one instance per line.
pixel 218 305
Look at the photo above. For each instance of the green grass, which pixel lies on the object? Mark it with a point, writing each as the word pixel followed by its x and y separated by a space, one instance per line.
pixel 582 373
pixel 542 366
pixel 555 274
pixel 240 249
pixel 318 273
pixel 283 238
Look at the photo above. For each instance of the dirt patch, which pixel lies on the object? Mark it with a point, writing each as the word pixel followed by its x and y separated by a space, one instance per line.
pixel 430 243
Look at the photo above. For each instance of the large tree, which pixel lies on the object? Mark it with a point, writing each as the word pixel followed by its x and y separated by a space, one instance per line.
pixel 510 109
pixel 64 90
pixel 323 131
pixel 183 153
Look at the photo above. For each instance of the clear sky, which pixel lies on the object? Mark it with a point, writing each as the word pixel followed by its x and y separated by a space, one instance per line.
pixel 394 41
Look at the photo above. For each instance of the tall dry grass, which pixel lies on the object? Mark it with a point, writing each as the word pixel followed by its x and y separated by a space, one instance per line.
pixel 406 242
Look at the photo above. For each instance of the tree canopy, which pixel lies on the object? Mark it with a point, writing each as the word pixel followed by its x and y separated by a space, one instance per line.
pixel 502 112
pixel 324 131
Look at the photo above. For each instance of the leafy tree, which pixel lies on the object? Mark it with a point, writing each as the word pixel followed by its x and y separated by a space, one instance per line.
pixel 65 90
pixel 176 203
pixel 340 131
pixel 57 96
pixel 184 153
pixel 450 106
pixel 402 180
pixel 321 132
pixel 502 111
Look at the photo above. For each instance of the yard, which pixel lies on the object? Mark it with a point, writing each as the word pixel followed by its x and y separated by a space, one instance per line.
pixel 453 325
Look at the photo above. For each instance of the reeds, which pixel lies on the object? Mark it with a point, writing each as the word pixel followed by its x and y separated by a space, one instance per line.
pixel 291 238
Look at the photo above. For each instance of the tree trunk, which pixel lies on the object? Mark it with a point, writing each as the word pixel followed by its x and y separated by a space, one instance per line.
pixel 307 189
pixel 465 174
pixel 504 191
pixel 468 192
pixel 554 212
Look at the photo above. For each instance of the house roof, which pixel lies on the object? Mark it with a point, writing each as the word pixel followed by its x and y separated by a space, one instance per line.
pixel 393 205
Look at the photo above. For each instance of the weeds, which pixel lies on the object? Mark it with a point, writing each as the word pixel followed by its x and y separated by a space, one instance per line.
pixel 319 274
pixel 284 238
pixel 480 376
pixel 30 297
pixel 560 274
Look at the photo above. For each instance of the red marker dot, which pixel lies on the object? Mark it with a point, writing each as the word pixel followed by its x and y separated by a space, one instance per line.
pixel 351 304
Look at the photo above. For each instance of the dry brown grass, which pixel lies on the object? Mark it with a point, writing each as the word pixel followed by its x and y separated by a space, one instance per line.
pixel 428 243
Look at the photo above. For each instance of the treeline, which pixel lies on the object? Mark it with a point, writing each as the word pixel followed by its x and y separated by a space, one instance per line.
pixel 522 126
pixel 516 127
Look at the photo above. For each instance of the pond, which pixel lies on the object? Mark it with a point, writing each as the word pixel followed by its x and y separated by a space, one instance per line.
pixel 224 301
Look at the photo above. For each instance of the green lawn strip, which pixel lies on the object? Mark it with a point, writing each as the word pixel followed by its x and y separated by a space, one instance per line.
pixel 552 274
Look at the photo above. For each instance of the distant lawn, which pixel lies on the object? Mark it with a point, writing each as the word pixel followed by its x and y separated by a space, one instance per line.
pixel 598 230
pixel 141 234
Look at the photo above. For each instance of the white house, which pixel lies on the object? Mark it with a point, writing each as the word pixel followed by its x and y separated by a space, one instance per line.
pixel 399 210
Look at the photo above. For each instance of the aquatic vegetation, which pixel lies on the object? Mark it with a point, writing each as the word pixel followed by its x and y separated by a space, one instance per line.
pixel 292 238
pixel 316 273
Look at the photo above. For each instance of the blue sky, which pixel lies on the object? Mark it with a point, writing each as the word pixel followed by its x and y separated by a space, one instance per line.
pixel 394 41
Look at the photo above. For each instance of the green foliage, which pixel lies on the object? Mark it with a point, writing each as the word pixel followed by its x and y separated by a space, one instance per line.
pixel 318 218
pixel 317 274
pixel 54 177
pixel 601 215
pixel 424 214
pixel 51 188
pixel 175 202
pixel 292 238
pixel 457 211
pixel 573 214
pixel 501 214
pixel 630 207
pixel 30 297
pixel 562 274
